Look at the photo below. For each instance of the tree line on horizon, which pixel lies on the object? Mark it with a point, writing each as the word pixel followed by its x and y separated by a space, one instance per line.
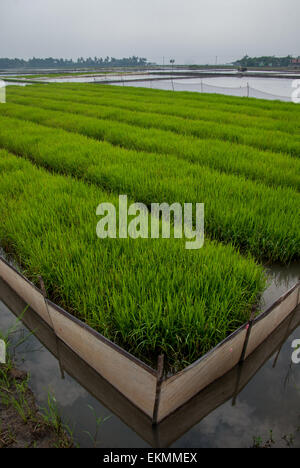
pixel 51 62
pixel 265 61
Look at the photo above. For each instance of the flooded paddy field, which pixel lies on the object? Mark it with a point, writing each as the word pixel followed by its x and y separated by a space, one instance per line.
pixel 254 83
pixel 210 420
pixel 67 147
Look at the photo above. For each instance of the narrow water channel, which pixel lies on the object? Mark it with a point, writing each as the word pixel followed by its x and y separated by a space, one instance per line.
pixel 249 402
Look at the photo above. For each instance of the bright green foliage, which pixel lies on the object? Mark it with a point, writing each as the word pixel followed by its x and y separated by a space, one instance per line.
pixel 252 216
pixel 194 103
pixel 147 295
pixel 271 168
pixel 202 122
pixel 90 143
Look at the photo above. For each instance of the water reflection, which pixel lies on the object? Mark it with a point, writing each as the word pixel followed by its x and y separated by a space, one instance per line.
pixel 281 278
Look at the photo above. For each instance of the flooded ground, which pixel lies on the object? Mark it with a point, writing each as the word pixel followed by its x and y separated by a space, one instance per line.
pixel 232 85
pixel 265 391
pixel 261 88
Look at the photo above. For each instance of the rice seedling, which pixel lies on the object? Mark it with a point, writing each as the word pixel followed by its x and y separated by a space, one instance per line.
pixel 207 112
pixel 149 296
pixel 253 217
pixel 250 106
pixel 99 420
pixel 270 168
pixel 261 105
pixel 262 140
pixel 210 112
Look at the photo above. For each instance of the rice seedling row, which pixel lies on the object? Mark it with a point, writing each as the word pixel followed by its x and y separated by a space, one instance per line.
pixel 250 106
pixel 149 296
pixel 262 139
pixel 271 168
pixel 262 105
pixel 181 112
pixel 253 217
pixel 285 121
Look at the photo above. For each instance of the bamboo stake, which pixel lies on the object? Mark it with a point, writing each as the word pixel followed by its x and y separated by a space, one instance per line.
pixel 249 328
pixel 160 373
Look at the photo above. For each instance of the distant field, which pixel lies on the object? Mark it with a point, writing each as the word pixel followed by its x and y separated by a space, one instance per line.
pixel 66 74
pixel 68 147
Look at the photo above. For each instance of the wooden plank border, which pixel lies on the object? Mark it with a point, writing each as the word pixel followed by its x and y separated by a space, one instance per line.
pixel 142 385
pixel 174 426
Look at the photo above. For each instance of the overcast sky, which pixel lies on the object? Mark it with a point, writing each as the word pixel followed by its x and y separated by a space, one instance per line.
pixel 191 31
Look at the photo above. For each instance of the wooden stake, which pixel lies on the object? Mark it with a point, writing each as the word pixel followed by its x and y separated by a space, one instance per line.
pixel 237 384
pixel 160 373
pixel 249 328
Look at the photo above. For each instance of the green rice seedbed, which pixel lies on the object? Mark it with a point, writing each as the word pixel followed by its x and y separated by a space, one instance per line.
pixel 67 148
pixel 205 112
pixel 149 296
pixel 255 218
pixel 272 168
pixel 276 110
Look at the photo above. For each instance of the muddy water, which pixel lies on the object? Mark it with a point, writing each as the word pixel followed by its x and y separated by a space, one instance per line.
pixel 269 401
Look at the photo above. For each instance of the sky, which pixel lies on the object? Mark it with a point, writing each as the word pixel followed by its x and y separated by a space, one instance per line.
pixel 190 31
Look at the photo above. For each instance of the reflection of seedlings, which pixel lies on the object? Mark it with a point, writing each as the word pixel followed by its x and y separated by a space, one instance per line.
pixel 99 420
